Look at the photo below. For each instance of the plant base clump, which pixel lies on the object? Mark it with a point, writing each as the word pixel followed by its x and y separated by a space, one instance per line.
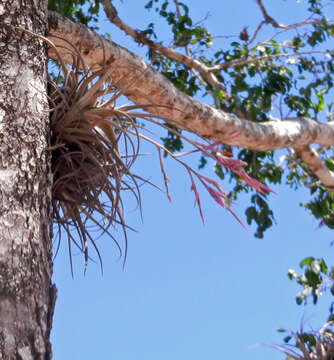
pixel 89 173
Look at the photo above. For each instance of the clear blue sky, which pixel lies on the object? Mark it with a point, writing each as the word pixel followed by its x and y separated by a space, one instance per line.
pixel 190 291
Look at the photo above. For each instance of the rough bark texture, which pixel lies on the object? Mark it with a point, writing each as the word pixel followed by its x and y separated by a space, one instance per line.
pixel 26 294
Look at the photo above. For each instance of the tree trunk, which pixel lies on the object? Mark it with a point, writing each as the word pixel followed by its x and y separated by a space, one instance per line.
pixel 26 294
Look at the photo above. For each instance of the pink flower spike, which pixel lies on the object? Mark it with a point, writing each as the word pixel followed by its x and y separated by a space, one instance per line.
pixel 237 218
pixel 230 163
pixel 211 147
pixel 220 199
pixel 217 196
pixel 197 201
pixel 261 188
pixel 236 166
pixel 212 182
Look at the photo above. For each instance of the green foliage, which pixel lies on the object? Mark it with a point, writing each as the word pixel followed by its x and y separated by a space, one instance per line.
pixel 261 80
pixel 322 207
pixel 172 142
pixel 315 279
pixel 82 11
pixel 183 30
pixel 261 214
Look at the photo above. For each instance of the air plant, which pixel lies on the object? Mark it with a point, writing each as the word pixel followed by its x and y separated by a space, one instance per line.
pixel 94 144
pixel 89 171
pixel 317 345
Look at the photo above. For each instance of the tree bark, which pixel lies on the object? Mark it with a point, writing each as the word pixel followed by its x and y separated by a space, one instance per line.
pixel 26 294
pixel 144 85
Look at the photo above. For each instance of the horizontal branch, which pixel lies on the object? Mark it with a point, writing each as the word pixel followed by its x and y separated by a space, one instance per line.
pixel 142 84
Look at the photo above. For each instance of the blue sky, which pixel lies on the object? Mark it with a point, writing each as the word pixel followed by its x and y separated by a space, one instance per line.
pixel 190 291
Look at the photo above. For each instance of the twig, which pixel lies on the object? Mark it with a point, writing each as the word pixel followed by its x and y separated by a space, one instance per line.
pixel 307 22
pixel 256 32
pixel 178 12
pixel 195 74
pixel 299 24
pixel 268 19
pixel 141 38
pixel 265 57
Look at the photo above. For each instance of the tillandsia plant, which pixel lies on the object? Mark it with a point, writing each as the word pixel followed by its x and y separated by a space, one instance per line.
pixel 315 345
pixel 89 173
pixel 94 144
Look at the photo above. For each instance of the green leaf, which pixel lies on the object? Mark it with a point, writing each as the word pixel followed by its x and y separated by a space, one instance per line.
pixel 280 330
pixel 307 261
pixel 287 338
pixel 323 266
pixel 330 163
pixel 299 300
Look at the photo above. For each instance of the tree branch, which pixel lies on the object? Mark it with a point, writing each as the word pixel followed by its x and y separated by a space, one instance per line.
pixel 268 19
pixel 198 69
pixel 311 157
pixel 142 85
pixel 141 38
pixel 246 61
pixel 253 37
pixel 306 22
pixel 178 12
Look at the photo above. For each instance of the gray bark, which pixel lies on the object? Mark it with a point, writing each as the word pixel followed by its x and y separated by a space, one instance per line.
pixel 26 294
